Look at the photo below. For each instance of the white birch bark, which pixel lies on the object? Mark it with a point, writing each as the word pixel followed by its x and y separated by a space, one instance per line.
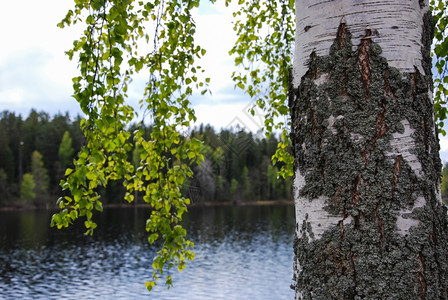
pixel 396 26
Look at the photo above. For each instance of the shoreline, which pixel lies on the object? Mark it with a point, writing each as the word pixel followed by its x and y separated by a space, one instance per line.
pixel 131 205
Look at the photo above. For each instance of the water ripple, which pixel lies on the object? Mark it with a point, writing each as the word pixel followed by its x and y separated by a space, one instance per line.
pixel 241 253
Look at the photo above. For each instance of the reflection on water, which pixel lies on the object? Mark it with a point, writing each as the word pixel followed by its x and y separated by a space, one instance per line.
pixel 241 253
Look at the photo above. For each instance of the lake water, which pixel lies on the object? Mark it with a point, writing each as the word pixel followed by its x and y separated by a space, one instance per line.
pixel 241 253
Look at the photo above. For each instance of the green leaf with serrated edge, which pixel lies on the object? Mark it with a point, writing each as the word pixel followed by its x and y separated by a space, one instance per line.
pixel 100 88
pixel 107 56
pixel 439 56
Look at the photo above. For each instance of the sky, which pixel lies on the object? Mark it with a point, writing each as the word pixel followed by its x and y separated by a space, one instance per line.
pixel 36 74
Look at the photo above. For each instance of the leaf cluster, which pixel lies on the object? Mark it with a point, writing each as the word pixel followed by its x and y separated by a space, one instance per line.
pixel 263 52
pixel 440 54
pixel 21 137
pixel 108 54
pixel 108 58
pixel 237 167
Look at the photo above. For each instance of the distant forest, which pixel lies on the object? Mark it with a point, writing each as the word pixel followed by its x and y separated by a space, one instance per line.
pixel 34 153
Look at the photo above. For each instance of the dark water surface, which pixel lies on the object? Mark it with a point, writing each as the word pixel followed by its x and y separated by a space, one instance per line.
pixel 241 253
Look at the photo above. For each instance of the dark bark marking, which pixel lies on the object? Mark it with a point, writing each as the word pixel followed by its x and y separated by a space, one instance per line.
pixel 387 90
pixel 388 261
pixel 341 39
pixel 314 65
pixel 341 34
pixel 380 127
pixel 365 156
pixel 341 226
pixel 421 278
pixel 357 183
pixel 364 63
pixel 324 172
pixel 314 119
pixel 421 3
pixel 396 172
pixel 427 37
pixel 292 91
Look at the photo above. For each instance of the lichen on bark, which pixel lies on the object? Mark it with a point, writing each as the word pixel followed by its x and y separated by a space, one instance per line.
pixel 365 141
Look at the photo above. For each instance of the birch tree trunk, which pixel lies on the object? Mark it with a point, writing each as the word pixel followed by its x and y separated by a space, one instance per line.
pixel 370 221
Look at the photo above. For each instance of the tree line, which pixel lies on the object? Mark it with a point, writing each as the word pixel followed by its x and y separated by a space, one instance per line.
pixel 444 183
pixel 35 152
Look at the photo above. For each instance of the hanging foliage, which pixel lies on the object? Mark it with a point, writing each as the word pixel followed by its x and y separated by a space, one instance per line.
pixel 440 54
pixel 109 56
pixel 263 53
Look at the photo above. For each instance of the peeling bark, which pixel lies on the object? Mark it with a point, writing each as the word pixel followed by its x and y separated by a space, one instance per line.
pixel 421 292
pixel 370 224
pixel 364 61
pixel 395 25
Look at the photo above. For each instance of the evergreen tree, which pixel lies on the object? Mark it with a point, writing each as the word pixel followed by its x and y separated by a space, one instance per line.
pixel 40 177
pixel 27 188
pixel 65 152
pixel 247 188
pixel 11 148
pixel 233 189
pixel 6 155
pixel 273 181
pixel 444 184
pixel 4 193
pixel 367 176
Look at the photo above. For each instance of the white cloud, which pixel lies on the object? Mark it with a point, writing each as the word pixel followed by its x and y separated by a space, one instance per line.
pixel 35 72
pixel 215 33
pixel 228 115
